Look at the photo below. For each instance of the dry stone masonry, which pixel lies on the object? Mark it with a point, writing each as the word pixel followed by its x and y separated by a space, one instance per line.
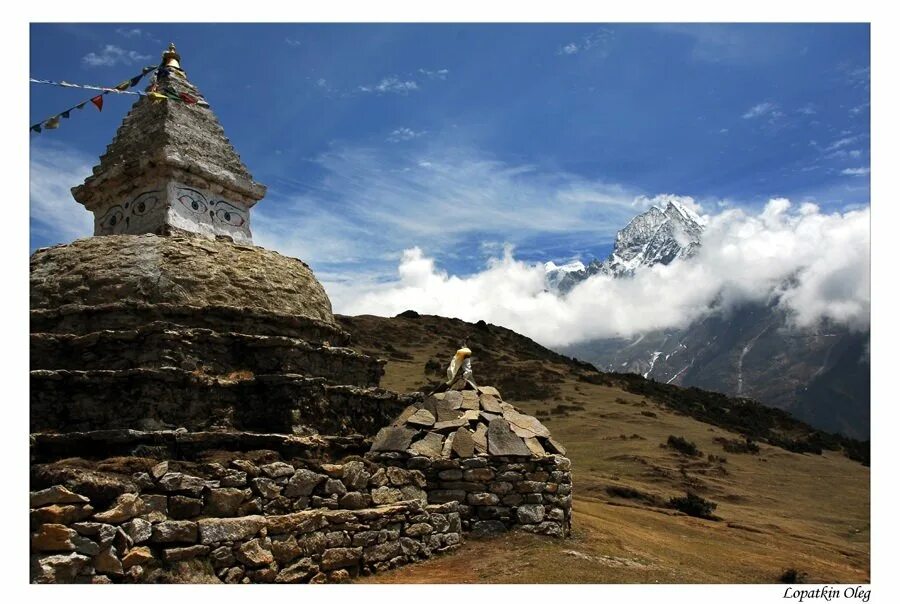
pixel 197 414
pixel 500 465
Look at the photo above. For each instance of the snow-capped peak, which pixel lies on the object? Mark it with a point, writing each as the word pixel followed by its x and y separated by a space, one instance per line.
pixel 571 267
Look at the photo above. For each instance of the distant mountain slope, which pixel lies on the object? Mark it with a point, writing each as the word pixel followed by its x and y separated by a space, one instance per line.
pixel 750 351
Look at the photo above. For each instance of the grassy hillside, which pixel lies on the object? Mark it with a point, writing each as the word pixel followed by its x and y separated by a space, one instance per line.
pixel 775 510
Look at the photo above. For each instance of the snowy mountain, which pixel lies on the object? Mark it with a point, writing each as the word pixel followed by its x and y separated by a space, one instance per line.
pixel 821 375
pixel 658 236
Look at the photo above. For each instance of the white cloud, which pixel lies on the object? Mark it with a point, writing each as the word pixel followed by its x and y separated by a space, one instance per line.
pixel 391 84
pixel 55 215
pixel 404 134
pixel 113 55
pixel 815 265
pixel 435 74
pixel 600 42
pixel 855 171
pixel 808 109
pixel 375 202
pixel 293 42
pixel 762 110
pixel 136 33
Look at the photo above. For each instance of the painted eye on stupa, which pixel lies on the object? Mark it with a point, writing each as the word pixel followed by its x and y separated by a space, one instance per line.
pixel 144 202
pixel 112 219
pixel 193 200
pixel 229 214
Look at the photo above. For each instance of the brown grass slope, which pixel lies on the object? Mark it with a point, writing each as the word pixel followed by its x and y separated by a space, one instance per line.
pixel 776 510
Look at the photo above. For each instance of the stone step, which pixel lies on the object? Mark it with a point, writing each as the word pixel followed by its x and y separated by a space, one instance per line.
pixel 80 319
pixel 170 444
pixel 163 345
pixel 76 401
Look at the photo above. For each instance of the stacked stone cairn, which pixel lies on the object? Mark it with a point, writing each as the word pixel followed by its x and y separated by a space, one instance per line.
pixel 500 465
pixel 197 413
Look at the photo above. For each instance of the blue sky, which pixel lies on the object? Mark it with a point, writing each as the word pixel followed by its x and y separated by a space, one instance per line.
pixel 459 139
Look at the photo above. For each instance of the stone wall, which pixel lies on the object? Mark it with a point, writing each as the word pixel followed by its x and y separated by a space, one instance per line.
pixel 155 399
pixel 239 522
pixel 496 494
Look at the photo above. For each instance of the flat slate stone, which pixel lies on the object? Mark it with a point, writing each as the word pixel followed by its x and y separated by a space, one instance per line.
pixel 487 417
pixel 470 400
pixel 522 432
pixel 526 422
pixel 430 446
pixel 401 419
pixel 489 390
pixel 452 424
pixel 502 440
pixel 445 411
pixel 463 445
pixel 454 398
pixel 393 439
pixel 448 446
pixel 480 438
pixel 556 446
pixel 491 404
pixel 422 417
pixel 471 415
pixel 536 449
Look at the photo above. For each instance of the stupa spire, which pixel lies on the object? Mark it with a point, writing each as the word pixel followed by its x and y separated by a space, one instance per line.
pixel 170 167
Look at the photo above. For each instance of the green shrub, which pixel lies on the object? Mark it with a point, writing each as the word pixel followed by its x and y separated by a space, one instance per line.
pixel 683 446
pixel 694 505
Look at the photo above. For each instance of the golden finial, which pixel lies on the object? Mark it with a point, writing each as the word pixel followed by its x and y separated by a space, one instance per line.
pixel 171 58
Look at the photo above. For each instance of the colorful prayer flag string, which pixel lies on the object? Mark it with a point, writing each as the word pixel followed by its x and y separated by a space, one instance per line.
pixel 52 122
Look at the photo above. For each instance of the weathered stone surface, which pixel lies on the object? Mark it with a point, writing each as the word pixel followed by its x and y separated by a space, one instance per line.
pixel 233 478
pixel 266 487
pixel 448 446
pixel 450 425
pixel 277 469
pixel 138 529
pixel 482 499
pixel 502 441
pixel 454 398
pixel 463 443
pixel 479 438
pixel 556 447
pixel 60 568
pixel 383 551
pixel 386 495
pixel 471 415
pixel 178 482
pixel 182 508
pixel 137 555
pixel 340 557
pixel 355 501
pixel 223 502
pixel 102 533
pixel 404 415
pixel 155 507
pixel 177 554
pixel 127 506
pixel 298 522
pixel 525 422
pixel 534 445
pixel 486 528
pixel 491 404
pixel 335 487
pixel 215 530
pixel 422 417
pixel 356 476
pixel 255 553
pixel 298 572
pixel 393 439
pixel 530 513
pixel 107 562
pixel 470 400
pixel 174 531
pixel 302 483
pixel 53 538
pixel 479 474
pixel 429 446
pixel 56 494
pixel 489 390
pixel 152 269
pixel 159 470
pixel 61 514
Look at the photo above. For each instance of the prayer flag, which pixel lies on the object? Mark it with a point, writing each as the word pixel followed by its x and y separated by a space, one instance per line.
pixel 98 102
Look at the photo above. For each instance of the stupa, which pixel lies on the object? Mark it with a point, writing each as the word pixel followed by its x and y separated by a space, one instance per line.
pixel 195 412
